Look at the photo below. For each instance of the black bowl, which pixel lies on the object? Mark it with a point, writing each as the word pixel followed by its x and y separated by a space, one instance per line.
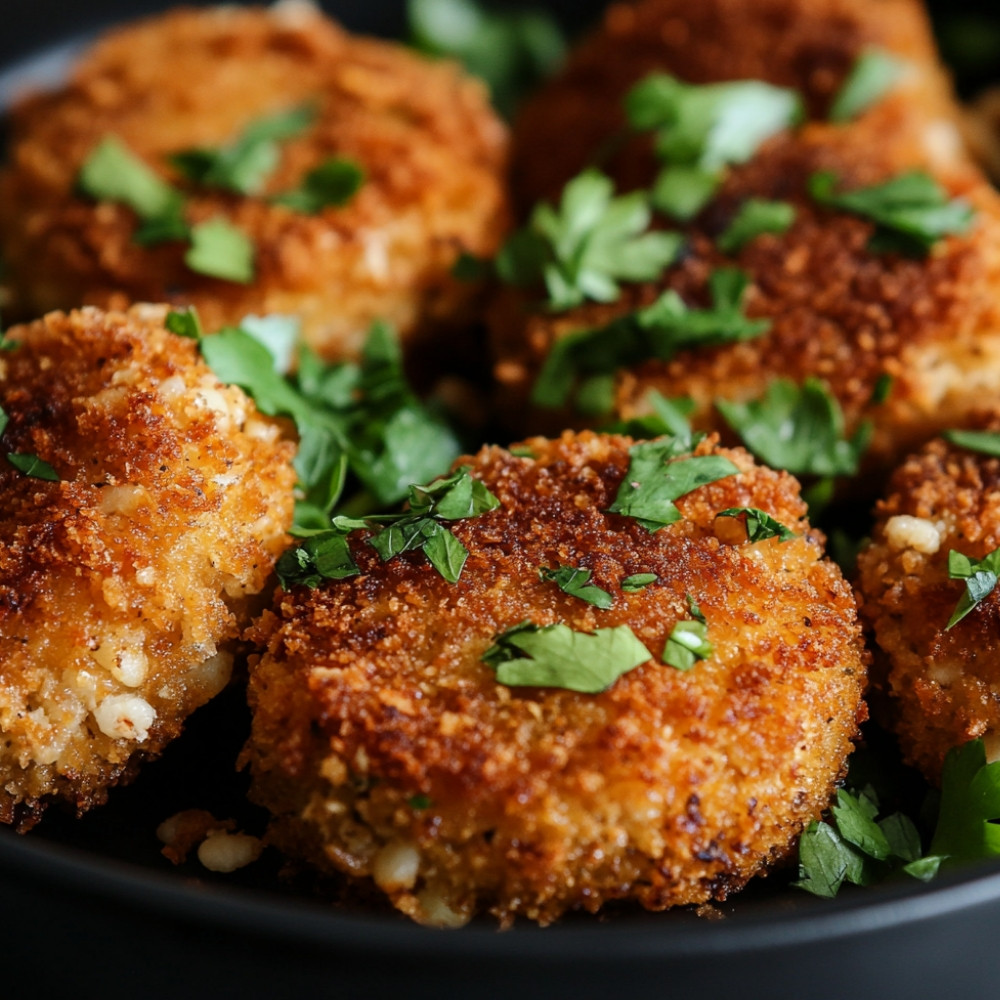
pixel 89 906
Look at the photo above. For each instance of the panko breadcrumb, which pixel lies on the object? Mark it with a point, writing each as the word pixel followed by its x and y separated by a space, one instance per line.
pixel 431 149
pixel 125 583
pixel 387 750
pixel 942 684
pixel 838 311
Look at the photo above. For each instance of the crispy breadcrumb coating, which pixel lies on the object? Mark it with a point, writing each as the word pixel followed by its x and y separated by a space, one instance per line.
pixel 386 749
pixel 942 683
pixel 432 150
pixel 125 584
pixel 838 311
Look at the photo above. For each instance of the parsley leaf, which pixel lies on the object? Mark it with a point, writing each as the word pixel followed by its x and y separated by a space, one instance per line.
pixel 656 478
pixel 797 428
pixel 638 581
pixel 687 644
pixel 576 582
pixel 332 184
pixel 581 249
pixel 658 331
pixel 701 129
pixel 755 217
pixel 529 655
pixel 244 166
pixel 510 50
pixel 980 577
pixel 874 73
pixel 911 211
pixel 758 524
pixel 220 250
pixel 984 442
pixel 32 465
pixel 320 557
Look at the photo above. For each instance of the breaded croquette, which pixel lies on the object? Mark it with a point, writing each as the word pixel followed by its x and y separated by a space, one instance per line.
pixel 941 678
pixel 839 309
pixel 430 150
pixel 145 504
pixel 387 749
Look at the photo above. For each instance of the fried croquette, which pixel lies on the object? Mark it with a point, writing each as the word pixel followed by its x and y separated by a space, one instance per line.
pixel 131 556
pixel 941 682
pixel 838 310
pixel 431 151
pixel 386 749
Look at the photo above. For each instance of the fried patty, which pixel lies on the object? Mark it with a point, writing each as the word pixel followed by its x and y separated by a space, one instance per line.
pixel 943 684
pixel 387 750
pixel 431 149
pixel 127 575
pixel 837 310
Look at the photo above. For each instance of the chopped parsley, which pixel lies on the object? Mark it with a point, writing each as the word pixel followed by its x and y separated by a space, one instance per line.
pixel 911 212
pixel 755 217
pixel 669 416
pixel 30 465
pixel 873 75
pixel 980 576
pixel 220 250
pixel 419 802
pixel 362 417
pixel 581 249
pixel 244 165
pixel 510 50
pixel 659 331
pixel 798 428
pixel 984 442
pixel 637 582
pixel 325 555
pixel 529 655
pixel 576 582
pixel 857 846
pixel 656 477
pixel 700 130
pixel 330 185
pixel 759 525
pixel 688 640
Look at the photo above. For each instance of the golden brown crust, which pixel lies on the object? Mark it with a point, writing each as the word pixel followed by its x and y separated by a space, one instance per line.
pixel 667 788
pixel 432 150
pixel 838 311
pixel 123 585
pixel 942 682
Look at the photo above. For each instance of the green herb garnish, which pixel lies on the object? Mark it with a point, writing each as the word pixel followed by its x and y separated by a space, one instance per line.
pixel 873 75
pixel 755 217
pixel 330 185
pixel 419 802
pixel 529 655
pixel 759 525
pixel 30 465
pixel 984 442
pixel 581 249
pixel 798 428
pixel 511 50
pixel 656 477
pixel 688 640
pixel 220 250
pixel 245 164
pixel 911 211
pixel 638 581
pixel 980 576
pixel 700 130
pixel 659 331
pixel 576 582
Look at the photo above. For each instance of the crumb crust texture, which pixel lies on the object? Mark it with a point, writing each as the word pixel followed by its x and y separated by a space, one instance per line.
pixel 386 749
pixel 123 586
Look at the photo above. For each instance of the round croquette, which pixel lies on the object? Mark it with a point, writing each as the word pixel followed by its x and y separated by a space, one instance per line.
pixel 129 561
pixel 838 311
pixel 386 748
pixel 431 150
pixel 943 683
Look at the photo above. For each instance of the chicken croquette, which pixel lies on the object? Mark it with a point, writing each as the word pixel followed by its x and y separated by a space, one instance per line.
pixel 941 681
pixel 430 151
pixel 836 308
pixel 145 504
pixel 387 749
